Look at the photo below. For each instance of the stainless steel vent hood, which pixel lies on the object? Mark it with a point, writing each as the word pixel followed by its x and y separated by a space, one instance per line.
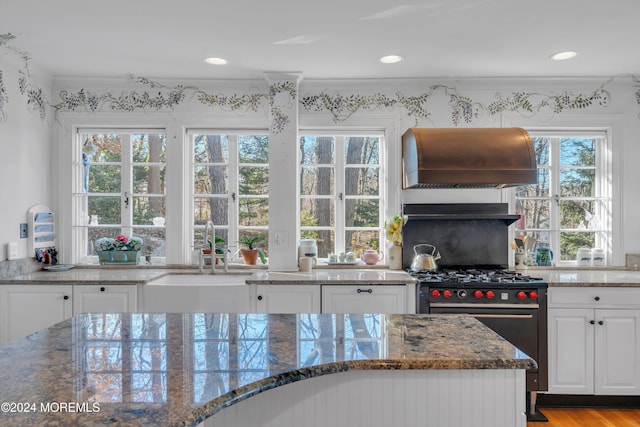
pixel 467 158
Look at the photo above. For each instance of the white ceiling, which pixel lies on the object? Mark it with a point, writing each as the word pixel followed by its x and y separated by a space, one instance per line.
pixel 326 38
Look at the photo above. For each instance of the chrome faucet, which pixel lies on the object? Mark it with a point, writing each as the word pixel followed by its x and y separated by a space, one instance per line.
pixel 210 230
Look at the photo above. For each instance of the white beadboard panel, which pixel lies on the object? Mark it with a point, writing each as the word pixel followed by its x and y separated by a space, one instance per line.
pixel 442 398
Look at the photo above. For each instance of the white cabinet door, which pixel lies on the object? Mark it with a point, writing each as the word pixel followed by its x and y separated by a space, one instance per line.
pixel 196 298
pixel 105 299
pixel 288 298
pixel 364 299
pixel 25 309
pixel 571 355
pixel 617 352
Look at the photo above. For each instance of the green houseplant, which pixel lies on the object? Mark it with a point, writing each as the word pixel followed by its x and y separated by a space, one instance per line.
pixel 251 253
pixel 217 246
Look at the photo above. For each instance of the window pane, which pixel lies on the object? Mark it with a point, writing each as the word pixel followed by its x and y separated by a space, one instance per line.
pixel 326 240
pixel 106 208
pixel 571 242
pixel 362 150
pixel 211 149
pixel 153 240
pixel 317 181
pixel 253 180
pixel 262 235
pixel 576 214
pixel 108 148
pixel 148 179
pixel 314 212
pixel 362 212
pixel 536 213
pixel 253 212
pixel 105 179
pixel 541 148
pixel 362 181
pixel 577 152
pixel 577 182
pixel 215 209
pixel 147 208
pixel 253 149
pixel 317 150
pixel 149 148
pixel 360 240
pixel 211 180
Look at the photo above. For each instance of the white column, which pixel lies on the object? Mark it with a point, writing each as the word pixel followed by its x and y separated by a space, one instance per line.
pixel 283 171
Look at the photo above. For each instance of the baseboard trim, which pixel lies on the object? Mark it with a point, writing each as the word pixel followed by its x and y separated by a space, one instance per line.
pixel 574 400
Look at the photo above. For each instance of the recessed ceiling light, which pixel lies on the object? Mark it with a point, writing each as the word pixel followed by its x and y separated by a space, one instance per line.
pixel 567 54
pixel 391 59
pixel 216 61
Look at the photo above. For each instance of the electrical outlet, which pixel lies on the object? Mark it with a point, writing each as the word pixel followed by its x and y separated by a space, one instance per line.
pixel 23 231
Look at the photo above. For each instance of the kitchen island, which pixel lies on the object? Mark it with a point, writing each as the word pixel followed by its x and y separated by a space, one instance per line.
pixel 263 369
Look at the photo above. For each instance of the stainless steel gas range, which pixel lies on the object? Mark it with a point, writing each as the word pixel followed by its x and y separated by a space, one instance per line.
pixel 473 278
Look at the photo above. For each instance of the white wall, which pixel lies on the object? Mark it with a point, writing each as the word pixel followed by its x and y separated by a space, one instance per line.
pixel 620 113
pixel 25 147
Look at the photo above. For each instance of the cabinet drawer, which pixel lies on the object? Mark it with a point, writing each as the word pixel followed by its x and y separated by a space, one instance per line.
pixel 594 297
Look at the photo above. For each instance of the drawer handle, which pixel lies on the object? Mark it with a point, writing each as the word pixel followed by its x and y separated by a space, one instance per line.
pixel 597 298
pixel 370 291
pixel 592 322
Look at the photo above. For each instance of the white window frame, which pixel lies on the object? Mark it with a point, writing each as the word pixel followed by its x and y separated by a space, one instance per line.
pixel 603 190
pixel 80 221
pixel 339 195
pixel 233 228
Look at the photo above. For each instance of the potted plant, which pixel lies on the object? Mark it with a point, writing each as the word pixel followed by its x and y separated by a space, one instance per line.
pixel 217 246
pixel 251 253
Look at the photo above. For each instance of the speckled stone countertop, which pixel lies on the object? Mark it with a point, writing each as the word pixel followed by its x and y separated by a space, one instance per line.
pixel 329 277
pixel 587 277
pixel 178 369
pixel 95 276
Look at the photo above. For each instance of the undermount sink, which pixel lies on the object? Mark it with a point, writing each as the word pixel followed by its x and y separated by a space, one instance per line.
pixel 223 279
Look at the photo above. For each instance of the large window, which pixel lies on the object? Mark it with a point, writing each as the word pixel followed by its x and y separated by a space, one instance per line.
pixel 119 189
pixel 570 206
pixel 230 185
pixel 340 191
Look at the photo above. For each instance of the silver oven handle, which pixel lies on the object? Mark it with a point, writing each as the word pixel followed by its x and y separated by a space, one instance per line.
pixel 463 305
pixel 503 316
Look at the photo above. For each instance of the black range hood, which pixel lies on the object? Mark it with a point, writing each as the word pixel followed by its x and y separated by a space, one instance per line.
pixel 467 158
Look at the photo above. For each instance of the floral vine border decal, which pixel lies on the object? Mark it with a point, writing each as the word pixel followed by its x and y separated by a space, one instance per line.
pixel 636 82
pixel 463 109
pixel 36 101
pixel 171 97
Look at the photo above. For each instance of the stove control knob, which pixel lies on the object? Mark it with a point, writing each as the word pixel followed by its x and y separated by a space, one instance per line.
pixel 478 294
pixel 490 294
pixel 521 295
pixel 435 293
pixel 533 295
pixel 446 293
pixel 462 293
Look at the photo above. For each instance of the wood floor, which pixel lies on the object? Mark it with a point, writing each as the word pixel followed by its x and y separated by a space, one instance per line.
pixel 589 417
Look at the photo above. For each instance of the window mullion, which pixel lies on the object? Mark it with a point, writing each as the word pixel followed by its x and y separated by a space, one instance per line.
pixel 126 209
pixel 339 174
pixel 234 202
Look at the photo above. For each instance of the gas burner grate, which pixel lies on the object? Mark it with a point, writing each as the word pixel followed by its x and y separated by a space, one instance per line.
pixel 471 276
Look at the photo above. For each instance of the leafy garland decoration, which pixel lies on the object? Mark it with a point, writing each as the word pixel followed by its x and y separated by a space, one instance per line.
pixel 36 101
pixel 167 98
pixel 279 119
pixel 463 108
pixel 3 99
pixel 636 82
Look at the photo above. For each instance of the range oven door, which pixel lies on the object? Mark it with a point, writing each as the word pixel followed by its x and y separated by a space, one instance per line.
pixel 517 325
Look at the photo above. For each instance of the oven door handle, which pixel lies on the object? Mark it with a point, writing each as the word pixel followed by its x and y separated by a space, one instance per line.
pixel 503 316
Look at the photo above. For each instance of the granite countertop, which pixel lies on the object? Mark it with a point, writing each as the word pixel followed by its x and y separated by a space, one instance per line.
pixel 94 276
pixel 335 276
pixel 178 369
pixel 587 277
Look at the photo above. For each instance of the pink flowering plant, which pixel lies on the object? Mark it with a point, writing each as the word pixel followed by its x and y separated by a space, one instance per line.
pixel 119 243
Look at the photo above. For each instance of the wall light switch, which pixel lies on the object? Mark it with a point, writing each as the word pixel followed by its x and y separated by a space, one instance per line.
pixel 282 239
pixel 23 231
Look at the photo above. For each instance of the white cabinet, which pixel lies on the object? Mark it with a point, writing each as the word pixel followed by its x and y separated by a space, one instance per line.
pixel 25 309
pixel 287 298
pixel 594 341
pixel 105 298
pixel 364 299
pixel 196 298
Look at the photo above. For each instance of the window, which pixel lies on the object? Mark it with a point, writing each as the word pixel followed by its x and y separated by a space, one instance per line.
pixel 570 206
pixel 119 189
pixel 340 191
pixel 230 185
